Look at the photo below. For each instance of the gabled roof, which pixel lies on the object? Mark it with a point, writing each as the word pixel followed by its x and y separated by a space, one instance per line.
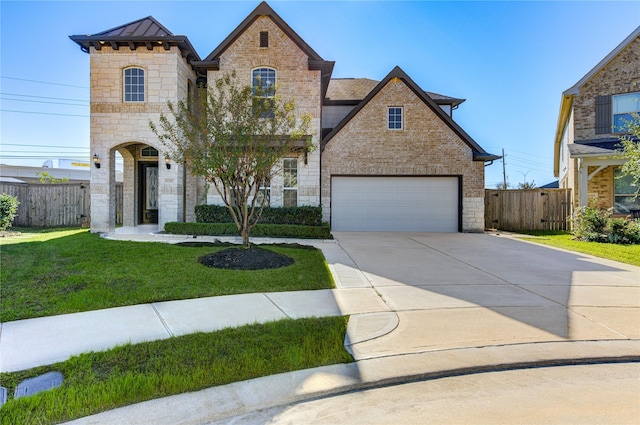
pixel 350 91
pixel 575 89
pixel 145 32
pixel 479 154
pixel 567 97
pixel 263 9
pixel 212 61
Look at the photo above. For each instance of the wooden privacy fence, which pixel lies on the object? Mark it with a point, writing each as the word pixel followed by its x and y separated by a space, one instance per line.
pixel 530 209
pixel 53 205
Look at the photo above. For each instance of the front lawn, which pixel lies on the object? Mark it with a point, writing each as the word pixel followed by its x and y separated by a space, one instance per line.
pixel 629 254
pixel 71 270
pixel 95 382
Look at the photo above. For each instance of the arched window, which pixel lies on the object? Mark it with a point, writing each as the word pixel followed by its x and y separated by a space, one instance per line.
pixel 263 83
pixel 134 85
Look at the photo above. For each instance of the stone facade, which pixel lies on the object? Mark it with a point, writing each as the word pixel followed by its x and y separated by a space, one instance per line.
pixel 430 144
pixel 124 127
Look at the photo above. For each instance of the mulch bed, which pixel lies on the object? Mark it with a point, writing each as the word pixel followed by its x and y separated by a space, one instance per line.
pixel 253 258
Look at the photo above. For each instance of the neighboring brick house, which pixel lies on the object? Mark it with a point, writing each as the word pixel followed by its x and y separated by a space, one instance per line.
pixel 387 155
pixel 590 124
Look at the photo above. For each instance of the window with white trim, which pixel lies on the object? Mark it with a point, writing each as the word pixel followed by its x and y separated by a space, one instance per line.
pixel 624 105
pixel 394 118
pixel 290 182
pixel 263 84
pixel 134 85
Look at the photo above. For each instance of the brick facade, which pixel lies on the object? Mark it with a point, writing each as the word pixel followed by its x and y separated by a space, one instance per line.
pixel 429 145
pixel 294 82
pixel 619 75
pixel 425 147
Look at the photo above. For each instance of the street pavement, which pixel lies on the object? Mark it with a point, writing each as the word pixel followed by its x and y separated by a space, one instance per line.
pixel 425 308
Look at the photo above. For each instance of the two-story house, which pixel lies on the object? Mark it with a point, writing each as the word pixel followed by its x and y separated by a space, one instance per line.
pixel 387 155
pixel 593 115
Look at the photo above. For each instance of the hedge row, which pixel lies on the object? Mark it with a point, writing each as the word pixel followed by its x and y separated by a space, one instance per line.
pixel 259 230
pixel 305 216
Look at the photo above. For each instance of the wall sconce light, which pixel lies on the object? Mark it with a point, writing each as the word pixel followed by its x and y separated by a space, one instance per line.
pixel 168 164
pixel 96 160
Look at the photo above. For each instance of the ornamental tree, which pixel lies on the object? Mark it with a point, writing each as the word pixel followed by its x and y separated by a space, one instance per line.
pixel 234 136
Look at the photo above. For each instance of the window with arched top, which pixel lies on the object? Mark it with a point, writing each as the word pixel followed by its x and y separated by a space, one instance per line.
pixel 134 85
pixel 263 84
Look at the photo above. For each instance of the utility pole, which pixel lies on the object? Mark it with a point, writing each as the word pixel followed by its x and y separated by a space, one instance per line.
pixel 504 172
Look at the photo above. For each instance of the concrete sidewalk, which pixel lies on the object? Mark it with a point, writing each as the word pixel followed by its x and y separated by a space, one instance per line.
pixel 422 306
pixel 35 342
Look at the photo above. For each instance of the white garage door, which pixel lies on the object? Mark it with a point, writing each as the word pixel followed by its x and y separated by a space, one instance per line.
pixel 394 204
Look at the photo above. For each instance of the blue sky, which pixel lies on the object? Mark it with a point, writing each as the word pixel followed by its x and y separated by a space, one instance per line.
pixel 511 60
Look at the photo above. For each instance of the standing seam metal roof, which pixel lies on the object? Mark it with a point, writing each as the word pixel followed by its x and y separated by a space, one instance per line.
pixel 145 27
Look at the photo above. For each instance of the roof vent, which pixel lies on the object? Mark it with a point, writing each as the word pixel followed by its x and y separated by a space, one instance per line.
pixel 264 39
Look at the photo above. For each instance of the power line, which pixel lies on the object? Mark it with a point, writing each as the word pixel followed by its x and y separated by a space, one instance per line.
pixel 43 101
pixel 44 82
pixel 41 146
pixel 79 157
pixel 44 97
pixel 44 113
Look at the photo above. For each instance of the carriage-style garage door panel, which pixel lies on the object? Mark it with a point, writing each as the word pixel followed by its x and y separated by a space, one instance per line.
pixel 394 204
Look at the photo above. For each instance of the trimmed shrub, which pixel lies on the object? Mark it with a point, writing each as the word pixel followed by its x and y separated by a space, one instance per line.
pixel 305 216
pixel 259 230
pixel 8 209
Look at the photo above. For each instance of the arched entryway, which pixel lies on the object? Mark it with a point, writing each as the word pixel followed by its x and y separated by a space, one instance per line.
pixel 154 190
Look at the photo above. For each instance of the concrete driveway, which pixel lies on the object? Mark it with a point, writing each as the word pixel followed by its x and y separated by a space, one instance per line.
pixel 445 328
pixel 452 291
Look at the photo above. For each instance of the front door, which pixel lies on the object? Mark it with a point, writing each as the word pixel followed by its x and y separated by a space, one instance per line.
pixel 148 192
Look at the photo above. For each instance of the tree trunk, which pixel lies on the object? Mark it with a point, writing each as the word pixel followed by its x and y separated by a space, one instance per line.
pixel 245 236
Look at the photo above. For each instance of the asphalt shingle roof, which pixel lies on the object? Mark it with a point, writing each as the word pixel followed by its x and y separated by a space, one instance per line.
pixel 356 89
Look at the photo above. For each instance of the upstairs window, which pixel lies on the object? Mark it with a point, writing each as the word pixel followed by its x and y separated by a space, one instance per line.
pixel 395 118
pixel 263 83
pixel 624 105
pixel 134 85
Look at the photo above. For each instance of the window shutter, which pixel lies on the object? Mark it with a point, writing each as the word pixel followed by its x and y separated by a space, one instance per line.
pixel 603 114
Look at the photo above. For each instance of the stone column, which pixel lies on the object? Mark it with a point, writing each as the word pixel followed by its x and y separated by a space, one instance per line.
pixel 103 194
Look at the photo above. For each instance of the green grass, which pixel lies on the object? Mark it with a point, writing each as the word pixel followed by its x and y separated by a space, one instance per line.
pixel 95 382
pixel 629 254
pixel 61 271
